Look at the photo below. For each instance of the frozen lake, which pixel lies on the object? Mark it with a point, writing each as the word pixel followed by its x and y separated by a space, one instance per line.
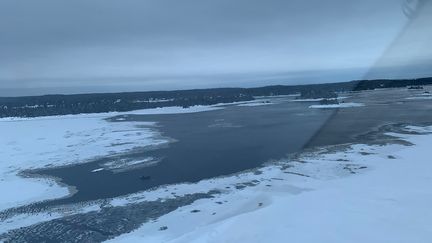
pixel 207 144
pixel 237 138
pixel 201 148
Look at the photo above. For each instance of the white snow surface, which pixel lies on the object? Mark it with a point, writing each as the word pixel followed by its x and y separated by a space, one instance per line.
pixel 30 143
pixel 387 200
pixel 340 105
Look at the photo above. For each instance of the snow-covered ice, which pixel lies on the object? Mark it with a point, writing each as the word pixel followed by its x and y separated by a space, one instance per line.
pixel 340 105
pixel 256 104
pixel 367 193
pixel 319 99
pixel 56 141
pixel 176 110
pixel 423 97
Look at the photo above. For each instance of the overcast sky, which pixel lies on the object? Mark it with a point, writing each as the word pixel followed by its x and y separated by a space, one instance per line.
pixel 64 46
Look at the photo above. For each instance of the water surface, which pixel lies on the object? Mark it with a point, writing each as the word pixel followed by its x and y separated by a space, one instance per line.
pixel 208 144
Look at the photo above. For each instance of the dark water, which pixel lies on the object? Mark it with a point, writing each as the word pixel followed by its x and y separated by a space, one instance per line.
pixel 235 139
pixel 382 107
pixel 209 144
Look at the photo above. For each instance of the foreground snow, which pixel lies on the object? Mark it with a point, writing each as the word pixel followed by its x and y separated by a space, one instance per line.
pixel 31 143
pixel 364 194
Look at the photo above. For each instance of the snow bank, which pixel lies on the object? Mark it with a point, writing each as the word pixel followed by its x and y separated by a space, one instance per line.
pixel 341 105
pixel 364 194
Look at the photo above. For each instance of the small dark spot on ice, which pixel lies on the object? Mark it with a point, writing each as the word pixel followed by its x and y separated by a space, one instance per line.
pixel 239 187
pixel 213 213
pixel 268 185
pixel 162 228
pixel 145 177
pixel 219 202
pixel 391 157
pixel 260 204
pixel 195 211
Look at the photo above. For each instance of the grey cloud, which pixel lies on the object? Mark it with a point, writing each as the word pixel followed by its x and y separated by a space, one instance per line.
pixel 158 44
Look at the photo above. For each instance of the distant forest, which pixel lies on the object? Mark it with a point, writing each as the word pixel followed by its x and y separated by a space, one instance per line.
pixel 48 105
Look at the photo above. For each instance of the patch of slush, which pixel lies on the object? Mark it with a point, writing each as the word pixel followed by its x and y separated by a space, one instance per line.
pixel 176 110
pixel 418 129
pixel 333 106
pixel 425 97
pixel 319 99
pixel 125 164
pixel 27 219
pixel 97 170
pixel 257 103
pixel 222 123
pixel 278 96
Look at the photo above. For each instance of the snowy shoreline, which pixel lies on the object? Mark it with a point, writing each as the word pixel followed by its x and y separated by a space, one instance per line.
pixel 264 193
pixel 353 192
pixel 152 111
pixel 57 141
